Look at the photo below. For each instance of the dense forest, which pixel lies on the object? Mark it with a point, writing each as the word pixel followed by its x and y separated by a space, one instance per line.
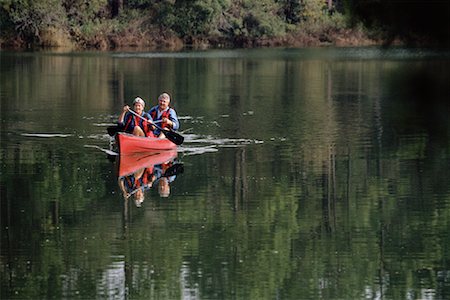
pixel 174 24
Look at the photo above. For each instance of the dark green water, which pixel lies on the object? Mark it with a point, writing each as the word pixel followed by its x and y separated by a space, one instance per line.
pixel 308 174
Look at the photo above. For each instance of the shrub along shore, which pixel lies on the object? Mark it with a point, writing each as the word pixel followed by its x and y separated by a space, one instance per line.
pixel 199 24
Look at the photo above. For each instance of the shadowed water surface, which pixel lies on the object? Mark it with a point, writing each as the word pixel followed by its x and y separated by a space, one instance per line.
pixel 307 174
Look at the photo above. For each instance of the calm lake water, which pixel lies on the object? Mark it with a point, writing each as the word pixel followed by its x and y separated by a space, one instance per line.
pixel 308 174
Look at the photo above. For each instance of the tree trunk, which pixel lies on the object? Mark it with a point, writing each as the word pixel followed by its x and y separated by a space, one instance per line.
pixel 116 7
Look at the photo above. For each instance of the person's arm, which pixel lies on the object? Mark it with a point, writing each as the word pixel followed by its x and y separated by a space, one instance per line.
pixel 175 124
pixel 122 115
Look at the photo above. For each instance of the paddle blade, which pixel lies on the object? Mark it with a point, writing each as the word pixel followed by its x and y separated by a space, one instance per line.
pixel 112 130
pixel 174 137
pixel 174 170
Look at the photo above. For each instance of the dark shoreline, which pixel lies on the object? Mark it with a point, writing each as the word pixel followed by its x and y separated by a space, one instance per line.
pixel 151 42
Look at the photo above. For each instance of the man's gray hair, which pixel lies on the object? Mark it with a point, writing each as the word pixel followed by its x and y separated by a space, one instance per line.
pixel 164 96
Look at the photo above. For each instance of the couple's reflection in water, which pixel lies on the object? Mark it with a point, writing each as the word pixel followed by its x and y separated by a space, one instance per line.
pixel 139 173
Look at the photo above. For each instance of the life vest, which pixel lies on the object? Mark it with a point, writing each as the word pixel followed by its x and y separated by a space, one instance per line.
pixel 165 114
pixel 144 125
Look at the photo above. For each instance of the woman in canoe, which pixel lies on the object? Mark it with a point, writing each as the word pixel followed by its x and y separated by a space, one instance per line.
pixel 134 124
pixel 164 114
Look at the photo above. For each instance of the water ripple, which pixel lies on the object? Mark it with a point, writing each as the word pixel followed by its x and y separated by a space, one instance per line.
pixel 47 135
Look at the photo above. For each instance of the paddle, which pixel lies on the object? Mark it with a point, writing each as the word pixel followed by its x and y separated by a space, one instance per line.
pixel 112 130
pixel 171 135
pixel 174 170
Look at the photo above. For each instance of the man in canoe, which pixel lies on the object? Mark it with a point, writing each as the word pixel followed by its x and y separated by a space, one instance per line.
pixel 164 114
pixel 134 124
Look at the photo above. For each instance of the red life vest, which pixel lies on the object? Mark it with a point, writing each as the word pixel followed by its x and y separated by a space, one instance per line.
pixel 165 114
pixel 145 126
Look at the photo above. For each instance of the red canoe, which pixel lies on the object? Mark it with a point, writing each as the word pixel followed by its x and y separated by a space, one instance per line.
pixel 131 144
pixel 128 164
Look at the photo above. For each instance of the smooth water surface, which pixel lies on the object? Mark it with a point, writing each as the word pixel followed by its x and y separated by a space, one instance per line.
pixel 308 174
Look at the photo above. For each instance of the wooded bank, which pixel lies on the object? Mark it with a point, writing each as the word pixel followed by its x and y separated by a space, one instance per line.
pixel 175 24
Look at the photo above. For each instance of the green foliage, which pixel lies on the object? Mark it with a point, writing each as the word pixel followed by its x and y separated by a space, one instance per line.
pixel 261 19
pixel 252 20
pixel 324 25
pixel 29 18
pixel 291 10
pixel 140 4
pixel 81 12
pixel 313 10
pixel 89 22
pixel 33 21
pixel 190 19
pixel 88 18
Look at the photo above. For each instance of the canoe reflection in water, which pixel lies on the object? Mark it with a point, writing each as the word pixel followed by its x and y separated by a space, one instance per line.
pixel 140 172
